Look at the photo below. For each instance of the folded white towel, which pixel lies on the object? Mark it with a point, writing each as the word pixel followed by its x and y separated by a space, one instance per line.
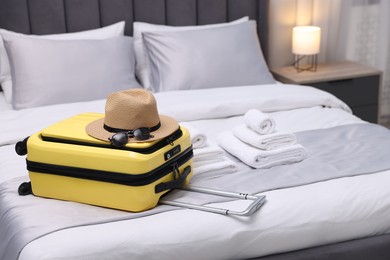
pixel 198 139
pixel 213 168
pixel 257 158
pixel 210 152
pixel 259 122
pixel 210 162
pixel 265 142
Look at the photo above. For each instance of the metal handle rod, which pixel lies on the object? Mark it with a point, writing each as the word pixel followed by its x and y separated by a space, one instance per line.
pixel 258 201
pixel 223 193
pixel 193 206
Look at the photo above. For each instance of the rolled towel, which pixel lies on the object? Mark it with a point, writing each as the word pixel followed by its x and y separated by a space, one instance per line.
pixel 259 122
pixel 213 168
pixel 257 158
pixel 265 142
pixel 210 152
pixel 198 139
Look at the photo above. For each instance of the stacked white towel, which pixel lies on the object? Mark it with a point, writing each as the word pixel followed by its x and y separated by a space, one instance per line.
pixel 259 122
pixel 258 158
pixel 258 145
pixel 270 141
pixel 198 139
pixel 209 152
pixel 210 162
pixel 209 159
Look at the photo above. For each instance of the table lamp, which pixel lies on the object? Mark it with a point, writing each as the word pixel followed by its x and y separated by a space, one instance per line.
pixel 306 44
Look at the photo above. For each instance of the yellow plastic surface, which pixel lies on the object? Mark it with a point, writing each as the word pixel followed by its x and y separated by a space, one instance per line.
pixel 109 195
pixel 131 198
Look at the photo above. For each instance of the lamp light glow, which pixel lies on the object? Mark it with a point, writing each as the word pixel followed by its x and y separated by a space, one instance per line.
pixel 306 42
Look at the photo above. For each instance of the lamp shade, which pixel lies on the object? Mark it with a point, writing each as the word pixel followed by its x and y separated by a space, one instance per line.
pixel 306 40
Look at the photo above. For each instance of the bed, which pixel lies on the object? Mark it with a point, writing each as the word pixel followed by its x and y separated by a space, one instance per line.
pixel 309 216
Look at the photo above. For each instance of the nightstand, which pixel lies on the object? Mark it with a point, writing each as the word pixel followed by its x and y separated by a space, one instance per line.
pixel 356 84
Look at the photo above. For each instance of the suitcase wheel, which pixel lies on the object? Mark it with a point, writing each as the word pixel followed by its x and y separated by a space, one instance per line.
pixel 21 147
pixel 25 189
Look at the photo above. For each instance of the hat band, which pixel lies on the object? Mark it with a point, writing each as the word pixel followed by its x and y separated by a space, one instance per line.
pixel 117 130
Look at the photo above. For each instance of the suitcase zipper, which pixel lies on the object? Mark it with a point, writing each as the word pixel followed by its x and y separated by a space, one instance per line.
pixel 112 177
pixel 160 144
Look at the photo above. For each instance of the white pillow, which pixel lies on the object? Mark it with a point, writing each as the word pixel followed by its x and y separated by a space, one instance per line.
pixel 208 58
pixel 47 72
pixel 5 73
pixel 142 67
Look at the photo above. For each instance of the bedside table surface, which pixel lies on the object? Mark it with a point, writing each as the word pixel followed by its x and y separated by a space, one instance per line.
pixel 325 72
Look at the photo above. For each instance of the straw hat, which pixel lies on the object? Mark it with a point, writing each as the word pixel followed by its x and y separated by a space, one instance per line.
pixel 129 110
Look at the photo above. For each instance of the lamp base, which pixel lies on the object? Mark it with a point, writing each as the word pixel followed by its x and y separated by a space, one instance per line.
pixel 311 62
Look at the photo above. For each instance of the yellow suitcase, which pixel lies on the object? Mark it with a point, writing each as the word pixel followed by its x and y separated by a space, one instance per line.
pixel 65 163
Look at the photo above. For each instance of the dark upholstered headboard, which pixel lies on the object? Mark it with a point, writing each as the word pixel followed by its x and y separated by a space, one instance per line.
pixel 60 16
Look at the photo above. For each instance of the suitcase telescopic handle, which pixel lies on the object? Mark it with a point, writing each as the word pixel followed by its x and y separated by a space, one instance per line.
pixel 179 179
pixel 258 201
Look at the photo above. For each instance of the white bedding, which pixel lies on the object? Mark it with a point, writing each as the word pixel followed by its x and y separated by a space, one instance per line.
pixel 317 214
pixel 4 105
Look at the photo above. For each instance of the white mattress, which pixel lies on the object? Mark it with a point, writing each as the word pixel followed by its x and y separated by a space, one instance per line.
pixel 293 218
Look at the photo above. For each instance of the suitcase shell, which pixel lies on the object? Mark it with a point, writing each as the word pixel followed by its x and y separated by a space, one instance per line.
pixel 65 163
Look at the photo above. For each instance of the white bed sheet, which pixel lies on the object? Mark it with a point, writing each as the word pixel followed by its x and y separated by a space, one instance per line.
pixel 4 105
pixel 293 218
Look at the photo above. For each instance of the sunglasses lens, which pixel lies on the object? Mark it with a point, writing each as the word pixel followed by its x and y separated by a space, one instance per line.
pixel 122 138
pixel 142 133
pixel 119 139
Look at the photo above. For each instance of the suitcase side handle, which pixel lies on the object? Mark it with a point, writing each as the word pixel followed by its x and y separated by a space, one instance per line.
pixel 258 201
pixel 177 182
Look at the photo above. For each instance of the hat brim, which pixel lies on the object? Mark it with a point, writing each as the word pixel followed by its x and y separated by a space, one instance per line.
pixel 168 126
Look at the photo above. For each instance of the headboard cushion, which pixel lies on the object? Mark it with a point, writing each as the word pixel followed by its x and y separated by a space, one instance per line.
pixel 60 16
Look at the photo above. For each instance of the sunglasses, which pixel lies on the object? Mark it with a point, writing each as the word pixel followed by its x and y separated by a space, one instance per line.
pixel 122 138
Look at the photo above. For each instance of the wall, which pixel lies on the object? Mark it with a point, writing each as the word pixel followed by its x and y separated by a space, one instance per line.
pixel 282 20
pixel 284 15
